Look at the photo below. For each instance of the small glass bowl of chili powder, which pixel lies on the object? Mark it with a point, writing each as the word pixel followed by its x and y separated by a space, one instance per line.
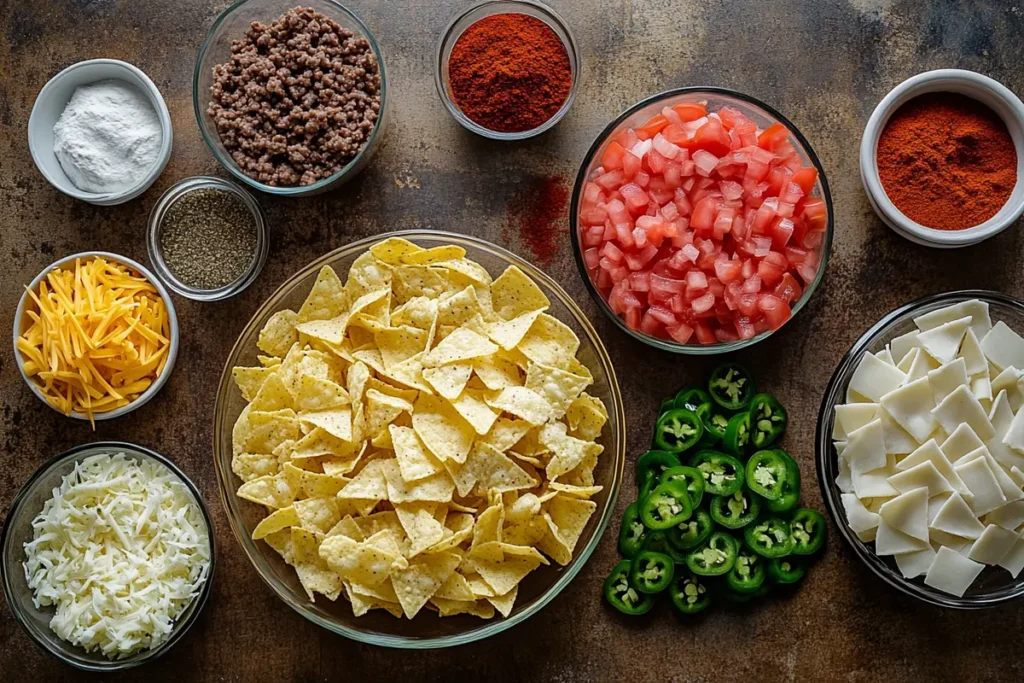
pixel 942 158
pixel 507 69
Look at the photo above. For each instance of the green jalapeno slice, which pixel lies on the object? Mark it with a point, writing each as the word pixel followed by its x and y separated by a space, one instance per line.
pixel 715 556
pixel 790 497
pixel 735 511
pixel 768 420
pixel 689 593
pixel 737 435
pixel 748 572
pixel 715 422
pixel 666 506
pixel 651 464
pixel 678 430
pixel 769 537
pixel 651 572
pixel 691 398
pixel 621 595
pixel 691 476
pixel 658 542
pixel 691 533
pixel 731 386
pixel 766 474
pixel 786 570
pixel 723 474
pixel 808 529
pixel 632 532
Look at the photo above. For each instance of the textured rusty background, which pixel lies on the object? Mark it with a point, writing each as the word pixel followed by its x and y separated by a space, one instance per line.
pixel 824 63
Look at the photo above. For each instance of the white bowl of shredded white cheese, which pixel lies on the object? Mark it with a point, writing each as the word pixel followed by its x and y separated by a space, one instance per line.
pixel 107 556
pixel 100 131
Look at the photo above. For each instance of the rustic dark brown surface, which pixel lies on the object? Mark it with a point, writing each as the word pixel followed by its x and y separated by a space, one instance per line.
pixel 825 63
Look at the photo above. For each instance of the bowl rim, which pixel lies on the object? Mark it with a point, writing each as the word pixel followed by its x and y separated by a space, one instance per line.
pixel 824 453
pixel 577 248
pixel 172 353
pixel 296 190
pixel 159 105
pixel 180 628
pixel 506 7
pixel 490 627
pixel 155 222
pixel 910 88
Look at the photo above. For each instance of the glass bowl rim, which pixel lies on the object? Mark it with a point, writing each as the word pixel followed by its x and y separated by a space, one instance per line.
pixel 489 627
pixel 571 49
pixel 180 628
pixel 823 454
pixel 577 249
pixel 176 192
pixel 229 164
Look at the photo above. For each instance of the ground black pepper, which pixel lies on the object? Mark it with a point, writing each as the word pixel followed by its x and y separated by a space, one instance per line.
pixel 208 238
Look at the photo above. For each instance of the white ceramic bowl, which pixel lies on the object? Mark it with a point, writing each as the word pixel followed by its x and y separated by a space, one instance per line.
pixel 49 105
pixel 982 88
pixel 21 321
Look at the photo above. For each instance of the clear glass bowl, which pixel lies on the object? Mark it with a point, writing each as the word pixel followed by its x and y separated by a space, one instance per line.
pixel 426 630
pixel 156 221
pixel 716 98
pixel 231 25
pixel 18 531
pixel 995 585
pixel 485 9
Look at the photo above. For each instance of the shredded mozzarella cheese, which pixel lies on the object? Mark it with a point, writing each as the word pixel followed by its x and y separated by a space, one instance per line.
pixel 120 549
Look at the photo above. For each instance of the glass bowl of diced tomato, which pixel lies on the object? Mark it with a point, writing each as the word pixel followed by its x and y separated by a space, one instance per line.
pixel 701 220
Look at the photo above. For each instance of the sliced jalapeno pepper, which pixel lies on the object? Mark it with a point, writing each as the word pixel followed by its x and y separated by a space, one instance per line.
pixel 666 405
pixel 731 386
pixel 735 511
pixel 623 596
pixel 786 570
pixel 737 435
pixel 658 542
pixel 632 532
pixel 766 474
pixel 691 533
pixel 691 398
pixel 768 420
pixel 691 476
pixel 651 464
pixel 808 530
pixel 769 537
pixel 790 497
pixel 678 430
pixel 715 422
pixel 651 572
pixel 715 556
pixel 723 474
pixel 666 506
pixel 689 593
pixel 747 573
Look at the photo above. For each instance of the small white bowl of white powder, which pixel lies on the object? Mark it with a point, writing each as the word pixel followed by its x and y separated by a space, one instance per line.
pixel 100 132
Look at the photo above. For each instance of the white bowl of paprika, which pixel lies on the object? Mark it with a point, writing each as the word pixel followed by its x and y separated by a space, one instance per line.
pixel 942 158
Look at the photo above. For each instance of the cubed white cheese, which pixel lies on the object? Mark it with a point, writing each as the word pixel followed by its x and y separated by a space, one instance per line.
pixel 943 342
pixel 911 405
pixel 852 416
pixel 874 484
pixel 1003 346
pixel 908 513
pixel 897 440
pixel 874 377
pixel 920 367
pixel 993 545
pixel 907 363
pixel 962 407
pixel 956 517
pixel 976 310
pixel 951 572
pixel 885 357
pixel 981 387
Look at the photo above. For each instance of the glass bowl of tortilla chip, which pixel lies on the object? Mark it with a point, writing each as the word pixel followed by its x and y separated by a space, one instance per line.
pixel 285 436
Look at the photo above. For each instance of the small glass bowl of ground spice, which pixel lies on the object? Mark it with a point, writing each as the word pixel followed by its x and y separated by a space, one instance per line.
pixel 208 238
pixel 942 158
pixel 507 70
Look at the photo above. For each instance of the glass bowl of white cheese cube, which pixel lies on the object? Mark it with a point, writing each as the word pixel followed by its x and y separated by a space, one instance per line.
pixel 920 449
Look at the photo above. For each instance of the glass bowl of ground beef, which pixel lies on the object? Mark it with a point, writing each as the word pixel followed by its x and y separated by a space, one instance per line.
pixel 291 100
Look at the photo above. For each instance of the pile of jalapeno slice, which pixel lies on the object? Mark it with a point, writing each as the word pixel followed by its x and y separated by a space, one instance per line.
pixel 718 511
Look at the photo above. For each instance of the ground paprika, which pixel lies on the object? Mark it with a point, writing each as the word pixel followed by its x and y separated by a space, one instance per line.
pixel 509 72
pixel 947 161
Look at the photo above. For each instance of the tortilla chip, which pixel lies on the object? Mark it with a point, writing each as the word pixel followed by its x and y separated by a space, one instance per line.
pixel 444 432
pixel 249 380
pixel 326 300
pixel 558 387
pixel 275 521
pixel 249 466
pixel 273 491
pixel 416 584
pixel 316 393
pixel 474 410
pixel 523 403
pixel 278 333
pixel 392 251
pixel 550 342
pixel 504 603
pixel 432 255
pixel 330 331
pixel 437 488
pixel 515 293
pixel 368 484
pixel 414 461
pixel 337 421
pixel 420 525
pixel 451 608
pixel 461 345
pixel 449 380
pixel 506 433
pixel 508 333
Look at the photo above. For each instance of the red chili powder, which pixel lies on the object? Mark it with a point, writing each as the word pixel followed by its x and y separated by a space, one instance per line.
pixel 538 215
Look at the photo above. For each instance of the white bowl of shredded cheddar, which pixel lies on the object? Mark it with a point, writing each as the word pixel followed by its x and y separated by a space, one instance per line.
pixel 96 335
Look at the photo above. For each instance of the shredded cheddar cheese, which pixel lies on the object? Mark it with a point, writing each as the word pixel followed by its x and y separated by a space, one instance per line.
pixel 99 335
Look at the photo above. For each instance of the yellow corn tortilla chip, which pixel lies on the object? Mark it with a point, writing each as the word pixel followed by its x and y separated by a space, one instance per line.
pixel 585 492
pixel 249 466
pixel 451 608
pixel 413 281
pixel 381 410
pixel 586 417
pixel 570 516
pixel 319 442
pixel 504 603
pixel 505 575
pixel 368 484
pixel 318 514
pixel 523 403
pixel 558 387
pixel 443 431
pixel 362 604
pixel 272 491
pixel 331 331
pixel 392 250
pixel 506 433
pixel 249 380
pixel 488 526
pixel 520 508
pixel 414 461
pixel 494 471
pixel 514 293
pixel 437 488
pixel 347 526
pixel 314 484
pixel 316 393
pixel 448 380
pixel 326 300
pixel 420 525
pixel 497 372
pixel 305 543
pixel 458 308
pixel 272 396
pixel 461 345
pixel 416 584
pixel 275 521
pixel 468 271
pixel 528 533
pixel 568 451
pixel 508 333
pixel 455 587
pixel 316 578
pixel 474 410
pixel 278 333
pixel 552 545
pixel 434 255
pixel 337 421
pixel 362 562
pixel 397 344
pixel 550 342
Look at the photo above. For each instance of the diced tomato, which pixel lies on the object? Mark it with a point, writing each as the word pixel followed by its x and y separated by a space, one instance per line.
pixel 611 180
pixel 789 289
pixel 690 111
pixel 816 214
pixel 630 165
pixel 627 139
pixel 776 311
pixel 782 230
pixel 729 271
pixel 712 138
pixel 591 258
pixel 772 268
pixel 703 217
pixel 649 325
pixel 652 127
pixel 806 178
pixel 704 333
pixel 773 136
pixel 681 333
pixel 612 157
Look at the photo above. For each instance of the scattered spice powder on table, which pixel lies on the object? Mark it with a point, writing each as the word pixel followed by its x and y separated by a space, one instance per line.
pixel 947 161
pixel 509 72
pixel 537 217
pixel 208 239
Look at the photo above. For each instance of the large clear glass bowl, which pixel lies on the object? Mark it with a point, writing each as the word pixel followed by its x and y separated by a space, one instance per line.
pixel 427 630
pixel 716 98
pixel 18 531
pixel 995 585
pixel 231 25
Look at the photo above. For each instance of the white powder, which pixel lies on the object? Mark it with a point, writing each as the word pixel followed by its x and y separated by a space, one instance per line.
pixel 108 137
